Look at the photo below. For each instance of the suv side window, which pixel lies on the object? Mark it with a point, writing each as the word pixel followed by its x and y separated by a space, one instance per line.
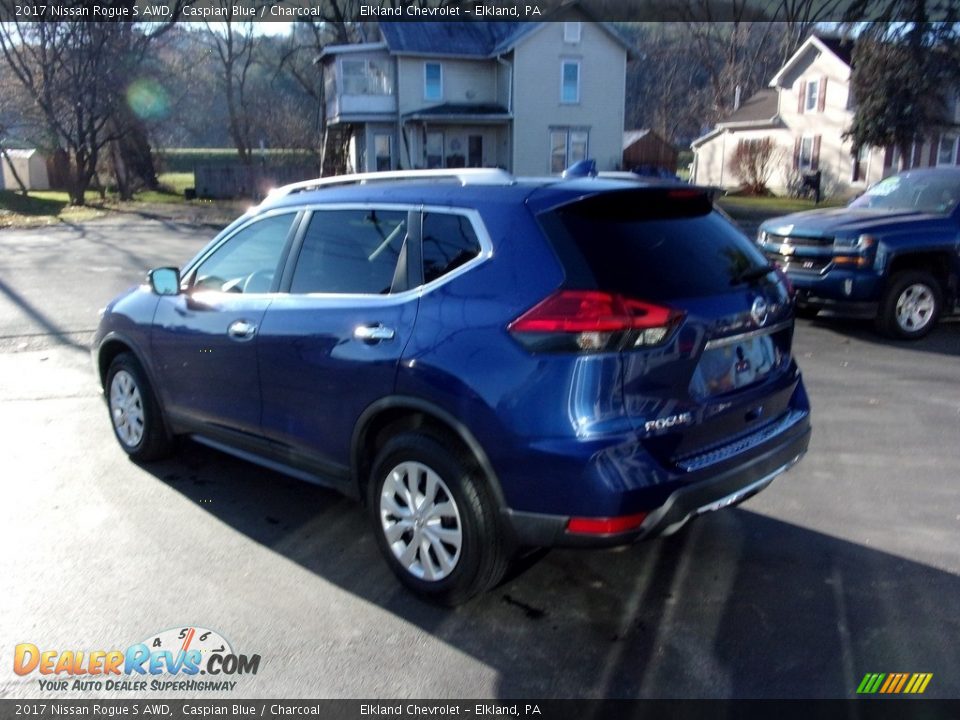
pixel 350 251
pixel 448 242
pixel 247 262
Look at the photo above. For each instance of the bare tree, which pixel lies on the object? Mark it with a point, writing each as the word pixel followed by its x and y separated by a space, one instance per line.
pixel 663 81
pixel 234 43
pixel 75 72
pixel 740 43
pixel 752 162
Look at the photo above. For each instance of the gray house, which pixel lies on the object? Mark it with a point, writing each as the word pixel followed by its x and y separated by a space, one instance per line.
pixel 528 97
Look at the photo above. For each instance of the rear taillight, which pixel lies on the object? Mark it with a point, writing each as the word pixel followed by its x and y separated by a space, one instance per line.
pixel 593 321
pixel 605 526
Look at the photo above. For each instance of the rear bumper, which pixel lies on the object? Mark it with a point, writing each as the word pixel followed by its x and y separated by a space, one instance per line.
pixel 726 489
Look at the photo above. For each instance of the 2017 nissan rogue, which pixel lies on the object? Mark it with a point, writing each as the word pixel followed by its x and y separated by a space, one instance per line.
pixel 488 363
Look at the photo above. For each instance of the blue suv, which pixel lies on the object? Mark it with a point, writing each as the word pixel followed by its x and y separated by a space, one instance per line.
pixel 488 363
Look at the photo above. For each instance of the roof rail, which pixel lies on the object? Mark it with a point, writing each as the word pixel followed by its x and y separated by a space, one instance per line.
pixel 466 176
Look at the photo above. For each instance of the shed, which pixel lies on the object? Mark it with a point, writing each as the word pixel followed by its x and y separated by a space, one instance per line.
pixel 646 149
pixel 30 166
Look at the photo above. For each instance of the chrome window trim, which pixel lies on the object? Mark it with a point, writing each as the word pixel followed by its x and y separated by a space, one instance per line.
pixel 473 215
pixel 218 242
pixel 733 339
pixel 483 237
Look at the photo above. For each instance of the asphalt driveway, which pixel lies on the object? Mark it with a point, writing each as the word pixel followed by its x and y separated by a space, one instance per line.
pixel 847 565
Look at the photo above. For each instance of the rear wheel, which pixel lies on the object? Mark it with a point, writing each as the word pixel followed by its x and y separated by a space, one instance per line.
pixel 134 411
pixel 910 305
pixel 435 519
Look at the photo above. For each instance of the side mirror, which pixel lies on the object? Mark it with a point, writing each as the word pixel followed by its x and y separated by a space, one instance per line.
pixel 164 280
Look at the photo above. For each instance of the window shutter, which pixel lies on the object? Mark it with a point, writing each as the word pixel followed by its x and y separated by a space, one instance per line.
pixel 796 153
pixel 934 146
pixel 803 93
pixel 822 94
pixel 815 154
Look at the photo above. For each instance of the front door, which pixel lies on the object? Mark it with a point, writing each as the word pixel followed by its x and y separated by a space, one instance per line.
pixel 205 340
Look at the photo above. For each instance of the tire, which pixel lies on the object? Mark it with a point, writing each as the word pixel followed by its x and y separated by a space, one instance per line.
pixel 455 518
pixel 910 306
pixel 805 312
pixel 134 412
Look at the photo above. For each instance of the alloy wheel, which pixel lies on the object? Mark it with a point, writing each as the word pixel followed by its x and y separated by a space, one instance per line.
pixel 126 409
pixel 915 307
pixel 420 521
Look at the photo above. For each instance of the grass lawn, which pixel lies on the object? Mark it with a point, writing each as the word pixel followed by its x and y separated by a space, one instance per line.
pixel 175 182
pixel 757 209
pixel 48 207
pixel 778 205
pixel 43 207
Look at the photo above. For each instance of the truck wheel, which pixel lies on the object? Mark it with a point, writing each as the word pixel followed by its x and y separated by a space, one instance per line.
pixel 435 519
pixel 910 306
pixel 805 312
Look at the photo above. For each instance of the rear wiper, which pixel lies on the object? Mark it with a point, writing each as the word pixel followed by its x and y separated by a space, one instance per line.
pixel 751 274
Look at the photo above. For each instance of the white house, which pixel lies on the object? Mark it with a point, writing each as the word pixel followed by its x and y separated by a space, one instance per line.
pixel 805 111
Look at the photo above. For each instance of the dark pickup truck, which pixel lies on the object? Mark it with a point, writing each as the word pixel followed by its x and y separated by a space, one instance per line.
pixel 893 254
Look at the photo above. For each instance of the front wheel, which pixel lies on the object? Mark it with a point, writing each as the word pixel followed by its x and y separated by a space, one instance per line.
pixel 910 306
pixel 134 411
pixel 435 519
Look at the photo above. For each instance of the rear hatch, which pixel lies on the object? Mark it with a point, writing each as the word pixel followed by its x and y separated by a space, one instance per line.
pixel 716 367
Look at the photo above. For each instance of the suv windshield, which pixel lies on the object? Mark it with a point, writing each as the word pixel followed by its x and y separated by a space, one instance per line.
pixel 918 192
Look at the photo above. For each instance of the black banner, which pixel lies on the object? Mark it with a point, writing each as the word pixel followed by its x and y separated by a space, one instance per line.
pixel 892 709
pixel 466 10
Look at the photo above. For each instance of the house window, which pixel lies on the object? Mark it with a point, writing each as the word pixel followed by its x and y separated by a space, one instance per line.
pixel 567 146
pixel 570 82
pixel 365 77
pixel 432 81
pixel 475 151
pixel 812 93
pixel 382 151
pixel 434 150
pixel 806 154
pixel 947 151
pixel 571 32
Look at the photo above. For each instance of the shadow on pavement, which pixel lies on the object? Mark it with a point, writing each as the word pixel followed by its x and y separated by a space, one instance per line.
pixel 58 334
pixel 736 605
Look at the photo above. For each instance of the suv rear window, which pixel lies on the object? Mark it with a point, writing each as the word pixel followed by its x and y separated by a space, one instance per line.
pixel 653 244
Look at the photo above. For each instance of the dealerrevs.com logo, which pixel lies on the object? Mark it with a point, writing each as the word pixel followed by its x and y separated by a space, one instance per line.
pixel 197 658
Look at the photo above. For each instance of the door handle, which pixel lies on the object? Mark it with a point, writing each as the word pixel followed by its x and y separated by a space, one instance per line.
pixel 373 333
pixel 241 330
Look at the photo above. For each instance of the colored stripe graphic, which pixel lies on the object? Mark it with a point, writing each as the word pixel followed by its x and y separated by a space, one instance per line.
pixel 894 683
pixel 870 683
